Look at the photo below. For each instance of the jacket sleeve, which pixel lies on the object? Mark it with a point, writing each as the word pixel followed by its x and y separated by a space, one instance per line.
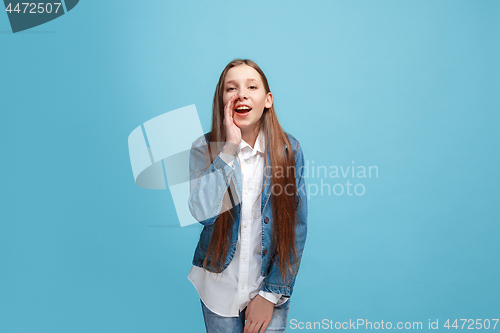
pixel 207 186
pixel 272 282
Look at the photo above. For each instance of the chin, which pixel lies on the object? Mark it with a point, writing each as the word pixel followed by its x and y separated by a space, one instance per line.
pixel 240 125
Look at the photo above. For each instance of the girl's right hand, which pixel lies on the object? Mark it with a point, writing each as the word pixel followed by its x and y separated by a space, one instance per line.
pixel 233 132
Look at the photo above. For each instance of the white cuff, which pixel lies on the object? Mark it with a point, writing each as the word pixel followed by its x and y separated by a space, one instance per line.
pixel 227 158
pixel 271 297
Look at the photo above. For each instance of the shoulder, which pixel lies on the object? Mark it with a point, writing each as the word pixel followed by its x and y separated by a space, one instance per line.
pixel 201 140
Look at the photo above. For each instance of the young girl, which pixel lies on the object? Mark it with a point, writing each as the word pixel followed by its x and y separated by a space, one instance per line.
pixel 248 190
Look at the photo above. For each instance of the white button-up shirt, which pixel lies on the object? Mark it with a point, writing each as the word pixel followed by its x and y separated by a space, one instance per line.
pixel 230 292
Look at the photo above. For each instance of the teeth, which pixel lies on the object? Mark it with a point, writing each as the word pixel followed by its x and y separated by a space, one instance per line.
pixel 243 108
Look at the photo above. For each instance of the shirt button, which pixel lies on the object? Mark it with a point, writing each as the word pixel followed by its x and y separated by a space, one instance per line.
pixel 265 252
pixel 246 191
pixel 244 256
pixel 242 287
pixel 245 225
pixel 266 220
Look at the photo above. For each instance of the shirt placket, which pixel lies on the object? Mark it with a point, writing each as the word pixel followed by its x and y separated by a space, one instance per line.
pixel 246 228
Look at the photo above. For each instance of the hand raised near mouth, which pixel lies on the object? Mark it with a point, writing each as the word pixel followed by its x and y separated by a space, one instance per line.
pixel 233 132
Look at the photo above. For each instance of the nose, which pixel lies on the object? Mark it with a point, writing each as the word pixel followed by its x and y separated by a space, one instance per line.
pixel 242 95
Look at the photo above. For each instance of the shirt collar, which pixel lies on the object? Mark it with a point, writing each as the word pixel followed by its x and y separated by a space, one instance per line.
pixel 259 143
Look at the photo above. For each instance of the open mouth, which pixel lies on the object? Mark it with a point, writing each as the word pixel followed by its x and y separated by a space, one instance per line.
pixel 243 109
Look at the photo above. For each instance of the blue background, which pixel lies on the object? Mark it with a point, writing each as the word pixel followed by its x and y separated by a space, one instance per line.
pixel 411 87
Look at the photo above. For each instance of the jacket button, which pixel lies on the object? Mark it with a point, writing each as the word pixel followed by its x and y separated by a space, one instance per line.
pixel 265 252
pixel 266 220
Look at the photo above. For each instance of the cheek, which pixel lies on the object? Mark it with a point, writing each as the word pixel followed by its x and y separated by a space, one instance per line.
pixel 258 114
pixel 263 100
pixel 226 97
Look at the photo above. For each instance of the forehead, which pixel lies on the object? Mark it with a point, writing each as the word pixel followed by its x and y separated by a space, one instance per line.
pixel 242 73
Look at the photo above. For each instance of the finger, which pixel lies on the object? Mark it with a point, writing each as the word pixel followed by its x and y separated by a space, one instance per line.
pixel 250 327
pixel 227 113
pixel 264 327
pixel 229 107
pixel 246 329
pixel 231 100
pixel 226 107
pixel 256 327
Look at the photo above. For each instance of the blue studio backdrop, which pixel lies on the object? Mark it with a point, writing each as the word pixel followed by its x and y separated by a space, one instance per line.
pixel 407 91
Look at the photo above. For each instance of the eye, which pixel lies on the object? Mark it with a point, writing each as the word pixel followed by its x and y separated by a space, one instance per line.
pixel 229 89
pixel 253 87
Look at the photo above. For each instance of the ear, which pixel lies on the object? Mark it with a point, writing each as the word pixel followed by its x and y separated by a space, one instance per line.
pixel 269 100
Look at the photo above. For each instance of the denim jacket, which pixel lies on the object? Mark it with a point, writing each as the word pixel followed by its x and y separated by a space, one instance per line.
pixel 207 191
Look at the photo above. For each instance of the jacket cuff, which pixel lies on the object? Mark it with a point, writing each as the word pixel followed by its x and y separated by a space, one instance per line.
pixel 272 288
pixel 226 169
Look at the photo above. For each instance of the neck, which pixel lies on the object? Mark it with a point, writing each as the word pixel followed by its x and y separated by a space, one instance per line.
pixel 250 135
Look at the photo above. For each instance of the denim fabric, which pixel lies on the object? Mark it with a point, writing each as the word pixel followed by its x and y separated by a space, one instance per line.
pixel 208 188
pixel 218 324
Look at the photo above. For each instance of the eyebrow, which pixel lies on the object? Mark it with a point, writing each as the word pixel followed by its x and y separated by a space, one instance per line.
pixel 232 81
